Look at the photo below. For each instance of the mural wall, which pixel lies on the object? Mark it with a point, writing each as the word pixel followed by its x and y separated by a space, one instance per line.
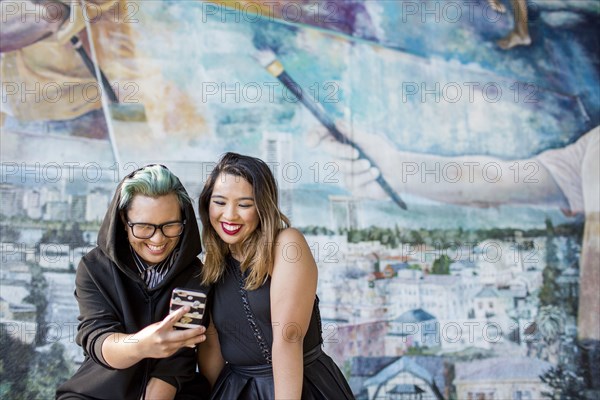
pixel 442 161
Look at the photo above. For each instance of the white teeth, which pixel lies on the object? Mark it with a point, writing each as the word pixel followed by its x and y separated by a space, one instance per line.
pixel 231 227
pixel 156 248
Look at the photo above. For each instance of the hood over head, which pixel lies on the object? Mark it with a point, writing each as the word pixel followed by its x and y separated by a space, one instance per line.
pixel 112 236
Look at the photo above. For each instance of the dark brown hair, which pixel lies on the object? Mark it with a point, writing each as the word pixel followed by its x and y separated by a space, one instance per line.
pixel 258 248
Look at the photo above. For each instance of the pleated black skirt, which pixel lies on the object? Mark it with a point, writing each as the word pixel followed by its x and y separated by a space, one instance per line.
pixel 323 380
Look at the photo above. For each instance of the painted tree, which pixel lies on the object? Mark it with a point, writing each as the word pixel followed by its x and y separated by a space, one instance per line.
pixel 549 292
pixel 38 292
pixel 49 369
pixel 15 358
pixel 441 266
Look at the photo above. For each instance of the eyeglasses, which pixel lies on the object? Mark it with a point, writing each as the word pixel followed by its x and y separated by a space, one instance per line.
pixel 142 230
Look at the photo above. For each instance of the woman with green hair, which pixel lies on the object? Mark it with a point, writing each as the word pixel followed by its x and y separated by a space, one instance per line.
pixel 148 245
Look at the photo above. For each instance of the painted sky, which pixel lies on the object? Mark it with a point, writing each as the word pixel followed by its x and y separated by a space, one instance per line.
pixel 431 83
pixel 431 79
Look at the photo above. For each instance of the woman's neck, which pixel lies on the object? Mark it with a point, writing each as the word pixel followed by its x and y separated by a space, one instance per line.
pixel 236 253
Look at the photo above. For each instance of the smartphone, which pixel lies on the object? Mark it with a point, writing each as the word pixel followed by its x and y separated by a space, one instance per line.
pixel 196 300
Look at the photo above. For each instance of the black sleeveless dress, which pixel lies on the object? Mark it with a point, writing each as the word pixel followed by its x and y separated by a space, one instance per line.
pixel 243 321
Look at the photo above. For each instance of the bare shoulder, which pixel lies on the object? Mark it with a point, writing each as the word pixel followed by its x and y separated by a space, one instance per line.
pixel 293 260
pixel 292 247
pixel 290 235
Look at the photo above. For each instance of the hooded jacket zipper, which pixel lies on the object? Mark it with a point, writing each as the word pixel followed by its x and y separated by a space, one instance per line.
pixel 147 361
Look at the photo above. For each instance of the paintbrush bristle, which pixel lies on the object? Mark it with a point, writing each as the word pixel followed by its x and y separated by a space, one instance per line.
pixel 265 57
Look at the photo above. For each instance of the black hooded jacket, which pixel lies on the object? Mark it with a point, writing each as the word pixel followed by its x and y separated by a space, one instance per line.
pixel 113 298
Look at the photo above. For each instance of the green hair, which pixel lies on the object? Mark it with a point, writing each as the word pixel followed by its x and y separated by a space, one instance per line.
pixel 153 181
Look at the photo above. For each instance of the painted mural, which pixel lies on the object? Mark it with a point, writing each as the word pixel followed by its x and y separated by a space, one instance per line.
pixel 441 157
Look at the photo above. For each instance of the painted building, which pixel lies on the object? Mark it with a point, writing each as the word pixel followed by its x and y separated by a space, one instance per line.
pixel 514 378
pixel 409 377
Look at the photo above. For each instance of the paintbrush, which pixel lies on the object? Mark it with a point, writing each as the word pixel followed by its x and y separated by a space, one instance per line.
pixel 269 61
pixel 132 112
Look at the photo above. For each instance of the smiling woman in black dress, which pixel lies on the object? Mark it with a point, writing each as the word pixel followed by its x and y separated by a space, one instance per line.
pixel 264 341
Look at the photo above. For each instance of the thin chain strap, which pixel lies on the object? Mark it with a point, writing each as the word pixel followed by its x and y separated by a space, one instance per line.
pixel 318 312
pixel 258 335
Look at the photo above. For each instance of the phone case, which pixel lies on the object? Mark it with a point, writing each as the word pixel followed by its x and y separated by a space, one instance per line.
pixel 195 300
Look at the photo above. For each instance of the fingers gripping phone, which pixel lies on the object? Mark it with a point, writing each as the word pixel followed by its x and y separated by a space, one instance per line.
pixel 196 300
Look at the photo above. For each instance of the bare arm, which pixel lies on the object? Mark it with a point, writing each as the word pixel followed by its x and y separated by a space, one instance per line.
pixel 29 21
pixel 293 291
pixel 210 360
pixel 477 180
pixel 468 180
pixel 159 340
pixel 26 22
pixel 157 389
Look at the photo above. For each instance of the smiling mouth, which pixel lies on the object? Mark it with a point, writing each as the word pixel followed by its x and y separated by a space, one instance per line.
pixel 156 249
pixel 230 229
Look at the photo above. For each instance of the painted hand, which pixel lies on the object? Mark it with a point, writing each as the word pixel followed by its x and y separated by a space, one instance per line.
pixel 359 174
